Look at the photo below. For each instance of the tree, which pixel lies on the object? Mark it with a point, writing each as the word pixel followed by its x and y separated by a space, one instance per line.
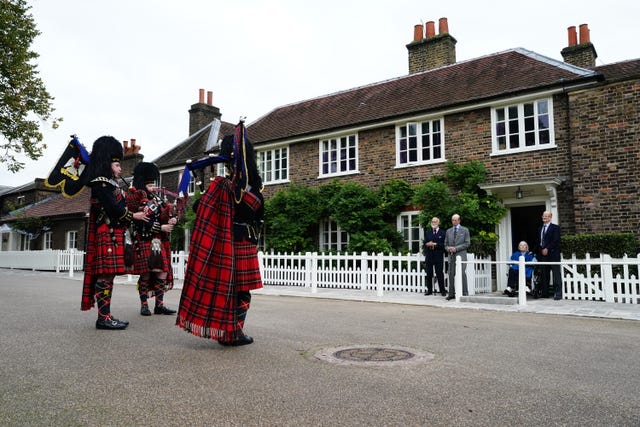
pixel 24 99
pixel 458 192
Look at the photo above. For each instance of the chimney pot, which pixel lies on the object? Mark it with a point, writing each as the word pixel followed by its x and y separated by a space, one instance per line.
pixel 133 142
pixel 573 35
pixel 431 28
pixel 417 33
pixel 210 98
pixel 201 97
pixel 443 26
pixel 125 144
pixel 584 33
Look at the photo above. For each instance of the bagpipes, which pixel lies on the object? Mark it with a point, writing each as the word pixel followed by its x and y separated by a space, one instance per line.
pixel 237 155
pixel 68 173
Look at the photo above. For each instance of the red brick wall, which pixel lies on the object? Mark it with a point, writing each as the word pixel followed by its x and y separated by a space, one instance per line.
pixel 605 127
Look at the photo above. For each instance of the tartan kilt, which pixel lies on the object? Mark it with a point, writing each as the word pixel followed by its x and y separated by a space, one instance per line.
pixel 102 258
pixel 107 257
pixel 142 251
pixel 247 267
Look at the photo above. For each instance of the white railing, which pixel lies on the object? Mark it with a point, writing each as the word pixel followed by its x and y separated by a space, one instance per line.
pixel 617 280
pixel 378 272
pixel 599 278
pixel 56 260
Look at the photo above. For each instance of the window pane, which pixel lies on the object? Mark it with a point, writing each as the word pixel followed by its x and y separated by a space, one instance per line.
pixel 543 107
pixel 544 137
pixel 514 141
pixel 528 110
pixel 529 139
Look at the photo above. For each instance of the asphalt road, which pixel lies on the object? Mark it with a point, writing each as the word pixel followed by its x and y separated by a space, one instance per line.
pixel 485 368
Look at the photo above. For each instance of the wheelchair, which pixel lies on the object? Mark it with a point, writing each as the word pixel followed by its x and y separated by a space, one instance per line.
pixel 531 283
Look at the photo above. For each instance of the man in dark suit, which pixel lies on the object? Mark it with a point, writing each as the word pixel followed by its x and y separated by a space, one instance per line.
pixel 549 251
pixel 456 242
pixel 434 255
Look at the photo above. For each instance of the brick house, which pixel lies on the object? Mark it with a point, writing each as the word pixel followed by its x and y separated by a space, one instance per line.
pixel 553 135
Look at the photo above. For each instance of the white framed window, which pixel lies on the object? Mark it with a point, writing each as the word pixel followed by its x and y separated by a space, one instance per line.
pixel 408 225
pixel 420 142
pixel 339 156
pixel 25 243
pixel 192 185
pixel 523 127
pixel 72 240
pixel 47 239
pixel 332 237
pixel 274 165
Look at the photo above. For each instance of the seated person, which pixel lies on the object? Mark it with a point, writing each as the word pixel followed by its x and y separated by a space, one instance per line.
pixel 512 282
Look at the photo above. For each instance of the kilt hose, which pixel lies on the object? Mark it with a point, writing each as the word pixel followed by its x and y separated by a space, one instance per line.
pixel 217 269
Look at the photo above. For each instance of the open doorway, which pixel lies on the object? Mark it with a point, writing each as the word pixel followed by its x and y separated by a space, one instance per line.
pixel 525 222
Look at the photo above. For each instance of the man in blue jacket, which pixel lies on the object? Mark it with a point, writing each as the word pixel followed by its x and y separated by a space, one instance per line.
pixel 434 256
pixel 549 251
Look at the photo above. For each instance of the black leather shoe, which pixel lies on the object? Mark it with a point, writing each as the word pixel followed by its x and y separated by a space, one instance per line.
pixel 444 294
pixel 110 323
pixel 162 309
pixel 126 322
pixel 556 298
pixel 428 293
pixel 450 297
pixel 144 310
pixel 243 340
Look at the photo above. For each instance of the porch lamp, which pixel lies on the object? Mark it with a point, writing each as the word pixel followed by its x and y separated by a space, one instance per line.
pixel 519 193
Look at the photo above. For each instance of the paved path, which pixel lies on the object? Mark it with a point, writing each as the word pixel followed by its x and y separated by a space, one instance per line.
pixel 481 367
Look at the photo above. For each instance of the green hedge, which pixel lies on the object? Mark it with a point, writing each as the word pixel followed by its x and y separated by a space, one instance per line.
pixel 614 244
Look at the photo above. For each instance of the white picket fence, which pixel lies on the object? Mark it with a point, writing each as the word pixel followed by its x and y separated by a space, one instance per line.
pixel 378 272
pixel 56 260
pixel 590 279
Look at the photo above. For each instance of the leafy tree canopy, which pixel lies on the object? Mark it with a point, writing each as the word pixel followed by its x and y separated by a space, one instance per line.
pixel 458 192
pixel 24 100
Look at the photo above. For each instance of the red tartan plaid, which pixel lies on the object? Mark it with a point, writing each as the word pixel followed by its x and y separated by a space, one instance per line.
pixel 247 266
pixel 208 302
pixel 102 257
pixel 142 250
pixel 136 200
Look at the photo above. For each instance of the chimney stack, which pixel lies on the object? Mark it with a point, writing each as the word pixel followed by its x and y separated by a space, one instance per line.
pixel 431 51
pixel 131 158
pixel 201 114
pixel 581 54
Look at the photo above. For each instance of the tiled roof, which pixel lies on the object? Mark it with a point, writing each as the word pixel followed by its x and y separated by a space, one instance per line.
pixel 191 148
pixel 55 206
pixel 510 72
pixel 620 70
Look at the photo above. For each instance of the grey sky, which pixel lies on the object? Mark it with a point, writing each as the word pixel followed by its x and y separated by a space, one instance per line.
pixel 132 68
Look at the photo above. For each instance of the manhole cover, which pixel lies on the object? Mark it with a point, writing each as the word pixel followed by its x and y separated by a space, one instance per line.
pixel 373 355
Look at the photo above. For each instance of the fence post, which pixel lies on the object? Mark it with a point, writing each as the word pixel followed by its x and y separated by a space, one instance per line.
pixel 457 281
pixel 71 261
pixel 380 274
pixel 471 274
pixel 607 278
pixel 59 255
pixel 364 266
pixel 312 270
pixel 522 282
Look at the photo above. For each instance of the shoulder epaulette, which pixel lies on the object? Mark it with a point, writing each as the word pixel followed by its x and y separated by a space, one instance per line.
pixel 101 179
